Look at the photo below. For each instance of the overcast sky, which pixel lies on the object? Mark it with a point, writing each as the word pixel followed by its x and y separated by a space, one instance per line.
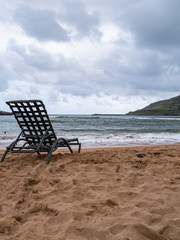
pixel 89 56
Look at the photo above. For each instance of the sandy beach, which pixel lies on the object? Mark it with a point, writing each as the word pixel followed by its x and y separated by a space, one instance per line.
pixel 130 193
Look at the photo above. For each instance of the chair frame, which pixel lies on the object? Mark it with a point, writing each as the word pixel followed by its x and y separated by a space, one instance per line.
pixel 37 133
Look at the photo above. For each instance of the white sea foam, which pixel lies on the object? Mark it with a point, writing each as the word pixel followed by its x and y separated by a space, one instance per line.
pixel 114 140
pixel 119 140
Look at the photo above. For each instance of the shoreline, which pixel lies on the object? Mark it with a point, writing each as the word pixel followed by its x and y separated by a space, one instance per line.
pixel 100 147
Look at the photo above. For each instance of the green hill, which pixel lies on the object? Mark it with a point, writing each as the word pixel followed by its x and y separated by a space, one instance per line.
pixel 169 107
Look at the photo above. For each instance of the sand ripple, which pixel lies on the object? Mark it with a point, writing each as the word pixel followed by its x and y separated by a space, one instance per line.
pixel 100 194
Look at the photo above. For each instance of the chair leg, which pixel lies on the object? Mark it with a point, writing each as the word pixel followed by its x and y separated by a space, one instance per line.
pixel 79 149
pixel 4 155
pixel 70 149
pixel 50 152
pixel 49 157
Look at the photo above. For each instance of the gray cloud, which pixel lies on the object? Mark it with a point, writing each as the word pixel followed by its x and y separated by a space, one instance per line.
pixel 46 23
pixel 77 15
pixel 3 79
pixel 142 72
pixel 40 59
pixel 41 24
pixel 154 23
pixel 146 64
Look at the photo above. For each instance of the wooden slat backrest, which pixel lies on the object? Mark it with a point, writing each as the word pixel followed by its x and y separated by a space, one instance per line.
pixel 33 120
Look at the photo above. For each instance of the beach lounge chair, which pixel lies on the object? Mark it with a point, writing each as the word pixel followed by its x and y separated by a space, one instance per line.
pixel 37 133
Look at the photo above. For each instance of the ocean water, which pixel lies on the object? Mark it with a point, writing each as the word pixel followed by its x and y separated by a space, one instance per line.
pixel 104 131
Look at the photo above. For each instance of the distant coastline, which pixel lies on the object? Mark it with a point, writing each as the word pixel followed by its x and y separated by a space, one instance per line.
pixel 5 113
pixel 108 114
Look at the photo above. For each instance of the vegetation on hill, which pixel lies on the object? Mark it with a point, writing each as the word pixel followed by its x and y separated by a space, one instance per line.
pixel 169 107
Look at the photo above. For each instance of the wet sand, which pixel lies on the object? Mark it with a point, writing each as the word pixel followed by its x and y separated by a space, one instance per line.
pixel 99 194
